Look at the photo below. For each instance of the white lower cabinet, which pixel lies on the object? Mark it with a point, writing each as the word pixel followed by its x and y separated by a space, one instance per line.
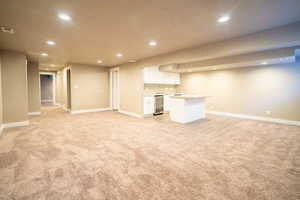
pixel 149 105
pixel 166 103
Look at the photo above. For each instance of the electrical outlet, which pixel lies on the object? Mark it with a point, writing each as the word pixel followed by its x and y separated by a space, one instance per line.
pixel 268 112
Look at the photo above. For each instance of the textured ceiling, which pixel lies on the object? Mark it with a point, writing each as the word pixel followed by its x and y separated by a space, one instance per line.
pixel 100 29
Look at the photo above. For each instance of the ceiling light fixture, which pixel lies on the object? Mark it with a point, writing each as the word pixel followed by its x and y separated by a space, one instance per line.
pixel 224 19
pixel 99 61
pixel 132 61
pixel 152 43
pixel 264 63
pixel 52 65
pixel 64 17
pixel 119 54
pixel 44 54
pixel 50 42
pixel 7 30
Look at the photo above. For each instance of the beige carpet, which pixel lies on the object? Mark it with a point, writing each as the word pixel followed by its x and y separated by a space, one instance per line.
pixel 109 156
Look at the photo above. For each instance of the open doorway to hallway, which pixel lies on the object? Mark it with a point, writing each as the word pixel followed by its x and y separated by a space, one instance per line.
pixel 63 89
pixel 69 106
pixel 47 85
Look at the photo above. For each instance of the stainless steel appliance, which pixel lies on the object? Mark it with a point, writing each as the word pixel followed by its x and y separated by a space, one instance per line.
pixel 159 104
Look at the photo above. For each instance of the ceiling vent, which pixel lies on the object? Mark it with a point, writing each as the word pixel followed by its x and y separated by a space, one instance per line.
pixel 7 30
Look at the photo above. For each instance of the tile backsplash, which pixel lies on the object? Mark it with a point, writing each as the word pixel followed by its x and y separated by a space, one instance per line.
pixel 159 88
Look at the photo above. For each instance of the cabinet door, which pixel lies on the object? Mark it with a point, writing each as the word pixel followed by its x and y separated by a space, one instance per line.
pixel 158 76
pixel 151 75
pixel 148 105
pixel 165 78
pixel 177 79
pixel 146 75
pixel 172 78
pixel 166 103
pixel 168 78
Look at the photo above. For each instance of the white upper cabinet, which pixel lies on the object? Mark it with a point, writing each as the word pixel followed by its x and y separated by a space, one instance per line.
pixel 147 78
pixel 152 75
pixel 174 77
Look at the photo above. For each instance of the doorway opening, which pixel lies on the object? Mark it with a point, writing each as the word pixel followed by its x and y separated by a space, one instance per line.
pixel 47 87
pixel 69 106
pixel 114 89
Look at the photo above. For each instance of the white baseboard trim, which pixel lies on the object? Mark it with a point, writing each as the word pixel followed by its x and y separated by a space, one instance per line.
pixel 64 107
pixel 131 114
pixel 253 117
pixel 15 124
pixel 89 110
pixel 34 113
pixel 147 115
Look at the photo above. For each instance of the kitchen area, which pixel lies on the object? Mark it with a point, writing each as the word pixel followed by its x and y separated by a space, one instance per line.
pixel 161 97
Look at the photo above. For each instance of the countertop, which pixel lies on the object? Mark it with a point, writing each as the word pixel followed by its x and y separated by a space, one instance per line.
pixel 164 94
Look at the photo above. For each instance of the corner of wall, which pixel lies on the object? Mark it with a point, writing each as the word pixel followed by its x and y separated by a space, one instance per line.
pixel 14 87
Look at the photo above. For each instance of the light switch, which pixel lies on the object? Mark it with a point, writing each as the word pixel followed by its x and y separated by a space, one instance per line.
pixel 76 86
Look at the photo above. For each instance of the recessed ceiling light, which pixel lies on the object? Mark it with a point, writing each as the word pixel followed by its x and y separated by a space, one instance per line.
pixel 152 43
pixel 132 61
pixel 7 30
pixel 119 54
pixel 64 17
pixel 224 19
pixel 99 61
pixel 50 42
pixel 264 63
pixel 44 54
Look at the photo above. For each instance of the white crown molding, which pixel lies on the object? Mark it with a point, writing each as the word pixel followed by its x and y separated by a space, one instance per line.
pixel 34 113
pixel 253 117
pixel 131 114
pixel 15 124
pixel 89 110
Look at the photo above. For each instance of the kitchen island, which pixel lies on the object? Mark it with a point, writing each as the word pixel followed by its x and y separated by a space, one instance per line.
pixel 187 108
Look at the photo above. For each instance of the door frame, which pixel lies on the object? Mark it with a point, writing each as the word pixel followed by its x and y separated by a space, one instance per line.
pixel 111 71
pixel 69 88
pixel 65 86
pixel 53 74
